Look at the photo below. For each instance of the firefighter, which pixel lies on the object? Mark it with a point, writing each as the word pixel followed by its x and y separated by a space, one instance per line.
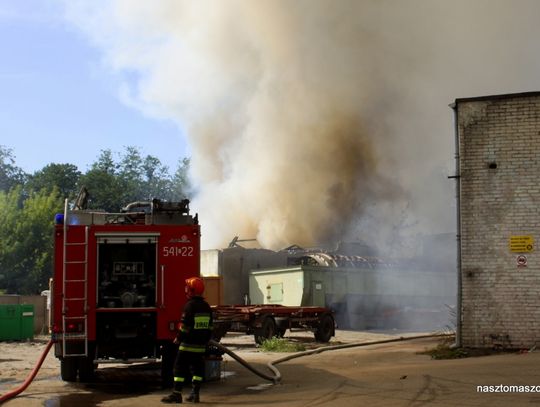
pixel 193 336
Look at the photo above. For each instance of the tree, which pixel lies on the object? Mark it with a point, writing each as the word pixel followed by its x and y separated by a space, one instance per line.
pixel 181 187
pixel 130 171
pixel 145 177
pixel 112 184
pixel 28 205
pixel 65 177
pixel 26 238
pixel 156 180
pixel 103 184
pixel 10 206
pixel 10 174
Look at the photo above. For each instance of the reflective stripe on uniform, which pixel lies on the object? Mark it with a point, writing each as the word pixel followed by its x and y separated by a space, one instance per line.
pixel 193 348
pixel 197 378
pixel 178 379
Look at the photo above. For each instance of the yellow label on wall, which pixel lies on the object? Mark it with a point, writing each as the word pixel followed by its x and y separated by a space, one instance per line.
pixel 521 244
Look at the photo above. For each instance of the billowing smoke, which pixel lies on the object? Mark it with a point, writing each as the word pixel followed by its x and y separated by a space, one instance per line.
pixel 315 120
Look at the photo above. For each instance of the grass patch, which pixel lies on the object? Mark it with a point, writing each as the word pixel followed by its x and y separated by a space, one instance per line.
pixel 446 351
pixel 281 345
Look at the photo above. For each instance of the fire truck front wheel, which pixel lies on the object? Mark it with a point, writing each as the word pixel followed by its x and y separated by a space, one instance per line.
pixel 68 369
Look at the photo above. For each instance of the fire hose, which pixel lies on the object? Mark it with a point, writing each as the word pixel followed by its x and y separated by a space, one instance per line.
pixel 31 377
pixel 276 378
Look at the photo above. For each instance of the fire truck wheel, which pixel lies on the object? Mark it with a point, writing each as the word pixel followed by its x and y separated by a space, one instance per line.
pixel 325 329
pixel 86 369
pixel 68 369
pixel 266 331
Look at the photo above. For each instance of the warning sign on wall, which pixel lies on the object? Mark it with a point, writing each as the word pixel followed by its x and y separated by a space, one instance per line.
pixel 521 260
pixel 521 244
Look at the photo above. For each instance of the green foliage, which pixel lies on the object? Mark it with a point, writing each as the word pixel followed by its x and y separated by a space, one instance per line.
pixel 62 176
pixel 180 182
pixel 276 344
pixel 10 208
pixel 446 351
pixel 10 174
pixel 26 238
pixel 105 187
pixel 133 177
pixel 28 204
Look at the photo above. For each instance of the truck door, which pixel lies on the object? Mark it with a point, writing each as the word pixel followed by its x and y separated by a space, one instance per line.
pixel 317 293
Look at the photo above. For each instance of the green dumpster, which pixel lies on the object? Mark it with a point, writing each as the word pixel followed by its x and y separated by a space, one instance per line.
pixel 16 322
pixel 27 321
pixel 10 322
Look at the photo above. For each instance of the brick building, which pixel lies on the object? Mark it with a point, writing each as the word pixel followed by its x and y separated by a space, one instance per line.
pixel 498 185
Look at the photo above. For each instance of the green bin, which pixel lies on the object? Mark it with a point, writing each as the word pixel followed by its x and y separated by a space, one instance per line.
pixel 27 321
pixel 16 322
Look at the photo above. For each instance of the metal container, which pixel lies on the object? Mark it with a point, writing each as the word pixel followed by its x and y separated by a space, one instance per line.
pixel 212 368
pixel 16 322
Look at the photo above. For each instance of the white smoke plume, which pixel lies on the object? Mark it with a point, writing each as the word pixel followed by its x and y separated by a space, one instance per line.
pixel 315 120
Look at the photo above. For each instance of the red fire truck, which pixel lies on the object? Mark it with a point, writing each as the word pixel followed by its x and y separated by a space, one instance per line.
pixel 118 286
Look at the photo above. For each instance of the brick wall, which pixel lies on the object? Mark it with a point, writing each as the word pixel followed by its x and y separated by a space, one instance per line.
pixel 499 156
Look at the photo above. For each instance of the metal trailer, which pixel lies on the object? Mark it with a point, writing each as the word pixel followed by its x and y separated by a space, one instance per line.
pixel 267 321
pixel 118 287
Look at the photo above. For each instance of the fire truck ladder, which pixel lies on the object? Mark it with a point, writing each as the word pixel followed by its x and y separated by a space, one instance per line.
pixel 74 309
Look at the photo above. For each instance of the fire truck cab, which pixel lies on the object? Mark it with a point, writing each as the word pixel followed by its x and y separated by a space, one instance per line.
pixel 118 285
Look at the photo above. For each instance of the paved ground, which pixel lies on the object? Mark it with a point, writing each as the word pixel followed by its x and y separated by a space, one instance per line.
pixel 393 374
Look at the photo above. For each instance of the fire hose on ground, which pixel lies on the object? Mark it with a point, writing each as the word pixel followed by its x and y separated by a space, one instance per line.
pixel 275 379
pixel 31 377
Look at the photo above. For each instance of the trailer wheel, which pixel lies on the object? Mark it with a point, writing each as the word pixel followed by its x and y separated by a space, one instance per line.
pixel 220 330
pixel 68 369
pixel 281 326
pixel 266 331
pixel 325 329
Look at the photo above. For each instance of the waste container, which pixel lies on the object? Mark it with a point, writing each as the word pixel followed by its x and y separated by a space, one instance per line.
pixel 10 322
pixel 16 322
pixel 27 321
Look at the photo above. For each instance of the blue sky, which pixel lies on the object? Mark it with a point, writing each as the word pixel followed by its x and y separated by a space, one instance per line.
pixel 58 103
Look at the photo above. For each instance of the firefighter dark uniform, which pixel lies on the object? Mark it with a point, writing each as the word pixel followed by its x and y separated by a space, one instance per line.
pixel 193 336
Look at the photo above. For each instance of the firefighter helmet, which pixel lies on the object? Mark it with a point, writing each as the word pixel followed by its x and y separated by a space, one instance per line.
pixel 194 286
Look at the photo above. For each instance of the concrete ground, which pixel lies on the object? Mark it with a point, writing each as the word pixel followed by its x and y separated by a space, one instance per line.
pixel 392 374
